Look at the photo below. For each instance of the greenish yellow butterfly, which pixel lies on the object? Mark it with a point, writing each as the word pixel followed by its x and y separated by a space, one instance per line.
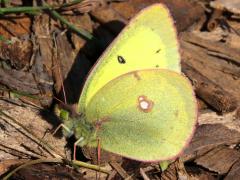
pixel 135 100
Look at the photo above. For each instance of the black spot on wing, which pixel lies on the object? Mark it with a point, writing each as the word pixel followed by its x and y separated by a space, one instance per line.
pixel 158 51
pixel 121 60
pixel 157 66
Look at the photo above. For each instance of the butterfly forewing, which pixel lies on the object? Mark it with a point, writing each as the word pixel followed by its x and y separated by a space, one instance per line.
pixel 148 41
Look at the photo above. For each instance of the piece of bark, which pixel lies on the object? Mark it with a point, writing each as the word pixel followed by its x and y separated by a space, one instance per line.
pixel 84 6
pixel 170 173
pixel 110 19
pixel 17 142
pixel 233 39
pixel 213 130
pixel 201 104
pixel 209 91
pixel 15 26
pixel 43 57
pixel 220 48
pixel 219 160
pixel 234 172
pixel 212 67
pixel 120 170
pixel 181 171
pixel 48 171
pixel 43 40
pixel 198 58
pixel 214 20
pixel 17 51
pixel 228 120
pixel 231 6
pixel 125 8
pixel 81 22
pixel 237 115
pixel 207 137
pixel 191 10
pixel 117 15
pixel 175 170
pixel 6 164
pixel 198 173
pixel 16 46
pixel 20 81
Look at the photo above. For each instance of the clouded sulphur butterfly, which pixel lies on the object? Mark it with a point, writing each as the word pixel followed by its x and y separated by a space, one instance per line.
pixel 135 99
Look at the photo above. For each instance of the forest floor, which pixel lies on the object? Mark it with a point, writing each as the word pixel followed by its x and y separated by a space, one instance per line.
pixel 46 53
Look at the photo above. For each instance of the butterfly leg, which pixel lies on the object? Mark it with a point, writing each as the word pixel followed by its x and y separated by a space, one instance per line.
pixel 98 151
pixel 75 147
pixel 98 156
pixel 70 133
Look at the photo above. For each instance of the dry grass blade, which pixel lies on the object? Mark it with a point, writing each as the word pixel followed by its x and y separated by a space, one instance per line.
pixel 55 160
pixel 144 175
pixel 120 170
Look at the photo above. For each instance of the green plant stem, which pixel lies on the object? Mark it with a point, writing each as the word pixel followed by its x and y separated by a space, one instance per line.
pixel 90 166
pixel 54 160
pixel 23 9
pixel 81 32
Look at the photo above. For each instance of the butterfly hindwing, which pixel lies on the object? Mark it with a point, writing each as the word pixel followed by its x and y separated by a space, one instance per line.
pixel 146 115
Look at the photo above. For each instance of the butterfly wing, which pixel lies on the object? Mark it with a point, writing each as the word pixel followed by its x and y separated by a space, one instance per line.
pixel 146 115
pixel 148 41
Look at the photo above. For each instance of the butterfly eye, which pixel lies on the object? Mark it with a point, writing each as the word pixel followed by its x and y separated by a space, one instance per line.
pixel 121 60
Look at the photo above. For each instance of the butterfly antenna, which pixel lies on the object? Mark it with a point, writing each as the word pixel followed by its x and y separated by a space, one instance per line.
pixel 59 100
pixel 63 88
pixel 59 69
